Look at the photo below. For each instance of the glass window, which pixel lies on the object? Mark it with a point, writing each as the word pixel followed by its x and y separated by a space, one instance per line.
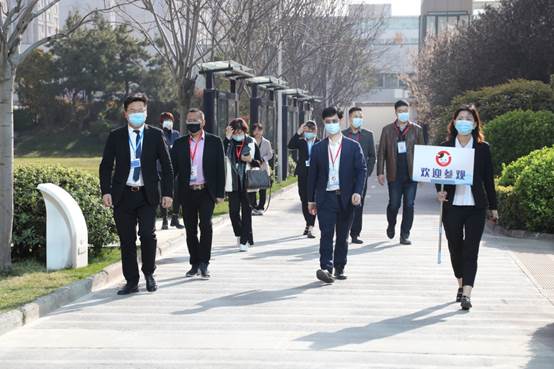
pixel 431 26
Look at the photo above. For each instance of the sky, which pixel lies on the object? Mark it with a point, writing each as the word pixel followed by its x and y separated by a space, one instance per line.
pixel 399 7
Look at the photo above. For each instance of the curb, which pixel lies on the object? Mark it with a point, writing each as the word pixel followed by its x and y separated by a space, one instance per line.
pixel 517 233
pixel 44 305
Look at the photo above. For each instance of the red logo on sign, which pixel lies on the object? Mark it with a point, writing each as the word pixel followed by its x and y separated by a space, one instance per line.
pixel 443 158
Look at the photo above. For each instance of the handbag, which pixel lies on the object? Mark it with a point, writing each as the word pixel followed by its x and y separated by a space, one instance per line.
pixel 257 180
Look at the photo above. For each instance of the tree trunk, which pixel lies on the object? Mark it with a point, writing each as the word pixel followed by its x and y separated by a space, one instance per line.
pixel 186 92
pixel 7 75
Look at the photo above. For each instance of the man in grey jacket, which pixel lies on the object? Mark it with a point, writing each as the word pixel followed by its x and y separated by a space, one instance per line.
pixel 365 139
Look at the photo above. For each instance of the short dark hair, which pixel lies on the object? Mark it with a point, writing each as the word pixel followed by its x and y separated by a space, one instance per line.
pixel 330 111
pixel 166 115
pixel 239 123
pixel 340 113
pixel 400 103
pixel 310 124
pixel 195 110
pixel 354 109
pixel 256 126
pixel 134 98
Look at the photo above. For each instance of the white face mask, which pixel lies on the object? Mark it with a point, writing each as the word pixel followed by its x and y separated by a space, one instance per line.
pixel 167 124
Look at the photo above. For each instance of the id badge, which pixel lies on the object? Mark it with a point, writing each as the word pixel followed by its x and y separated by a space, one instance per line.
pixel 135 163
pixel 193 173
pixel 307 163
pixel 401 147
pixel 333 177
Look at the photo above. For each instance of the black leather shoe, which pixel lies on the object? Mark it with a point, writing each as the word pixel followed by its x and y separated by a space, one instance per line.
pixel 193 272
pixel 164 224
pixel 204 272
pixel 466 303
pixel 390 232
pixel 310 235
pixel 175 222
pixel 356 240
pixel 151 284
pixel 306 230
pixel 128 289
pixel 405 241
pixel 325 276
pixel 459 295
pixel 339 274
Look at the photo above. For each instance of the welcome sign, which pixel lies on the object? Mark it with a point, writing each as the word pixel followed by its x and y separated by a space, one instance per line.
pixel 443 165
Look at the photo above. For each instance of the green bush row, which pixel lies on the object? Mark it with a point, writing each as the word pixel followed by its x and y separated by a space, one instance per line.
pixel 29 231
pixel 526 192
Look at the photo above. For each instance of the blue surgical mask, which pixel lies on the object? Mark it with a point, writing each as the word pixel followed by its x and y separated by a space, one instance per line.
pixel 357 122
pixel 309 135
pixel 238 138
pixel 464 127
pixel 137 119
pixel 403 117
pixel 332 128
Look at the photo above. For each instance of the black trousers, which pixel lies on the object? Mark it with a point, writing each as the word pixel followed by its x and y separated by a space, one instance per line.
pixel 176 203
pixel 241 216
pixel 303 193
pixel 198 209
pixel 132 209
pixel 464 226
pixel 358 215
pixel 258 204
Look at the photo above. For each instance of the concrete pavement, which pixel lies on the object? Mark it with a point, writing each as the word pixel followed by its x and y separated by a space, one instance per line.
pixel 264 308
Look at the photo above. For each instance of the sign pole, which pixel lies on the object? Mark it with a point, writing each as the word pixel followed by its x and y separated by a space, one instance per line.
pixel 440 229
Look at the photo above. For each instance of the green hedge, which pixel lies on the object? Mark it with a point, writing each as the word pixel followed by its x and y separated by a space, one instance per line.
pixel 526 192
pixel 517 133
pixel 29 231
pixel 495 101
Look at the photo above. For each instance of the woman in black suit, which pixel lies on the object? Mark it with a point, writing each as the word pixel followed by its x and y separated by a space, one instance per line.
pixel 242 154
pixel 465 206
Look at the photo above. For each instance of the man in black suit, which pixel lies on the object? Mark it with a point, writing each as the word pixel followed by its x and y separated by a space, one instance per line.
pixel 303 141
pixel 365 138
pixel 199 166
pixel 335 183
pixel 133 189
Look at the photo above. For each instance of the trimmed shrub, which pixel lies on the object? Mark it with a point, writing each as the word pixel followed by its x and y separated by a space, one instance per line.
pixel 495 101
pixel 29 231
pixel 517 133
pixel 529 203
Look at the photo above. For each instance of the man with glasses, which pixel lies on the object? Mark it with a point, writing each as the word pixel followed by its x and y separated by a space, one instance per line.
pixel 133 189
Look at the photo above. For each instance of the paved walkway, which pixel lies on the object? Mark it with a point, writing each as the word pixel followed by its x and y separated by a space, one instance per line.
pixel 264 308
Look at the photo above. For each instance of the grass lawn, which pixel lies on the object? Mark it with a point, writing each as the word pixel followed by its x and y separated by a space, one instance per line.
pixel 29 279
pixel 89 165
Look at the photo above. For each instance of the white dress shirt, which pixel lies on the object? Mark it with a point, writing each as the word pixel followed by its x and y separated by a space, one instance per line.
pixel 463 195
pixel 334 150
pixel 132 148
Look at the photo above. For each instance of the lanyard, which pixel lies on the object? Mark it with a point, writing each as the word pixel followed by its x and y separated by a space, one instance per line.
pixel 193 153
pixel 238 150
pixel 336 156
pixel 310 147
pixel 133 147
pixel 402 135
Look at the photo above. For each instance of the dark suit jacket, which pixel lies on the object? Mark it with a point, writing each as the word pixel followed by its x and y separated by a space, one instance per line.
pixel 154 148
pixel 300 144
pixel 213 165
pixel 368 147
pixel 352 170
pixel 482 188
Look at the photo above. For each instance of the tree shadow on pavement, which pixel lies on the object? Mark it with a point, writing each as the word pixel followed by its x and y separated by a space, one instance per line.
pixel 251 297
pixel 378 330
pixel 542 346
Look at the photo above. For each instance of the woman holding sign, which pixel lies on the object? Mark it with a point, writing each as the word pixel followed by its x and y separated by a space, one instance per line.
pixel 465 206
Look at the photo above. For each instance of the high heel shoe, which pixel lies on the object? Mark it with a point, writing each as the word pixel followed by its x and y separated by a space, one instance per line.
pixel 459 295
pixel 466 303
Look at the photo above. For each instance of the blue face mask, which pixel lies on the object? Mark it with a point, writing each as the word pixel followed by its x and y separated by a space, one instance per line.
pixel 137 119
pixel 464 127
pixel 309 135
pixel 357 122
pixel 332 128
pixel 403 117
pixel 238 138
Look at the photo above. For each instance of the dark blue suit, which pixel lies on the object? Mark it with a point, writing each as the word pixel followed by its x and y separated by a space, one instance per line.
pixel 335 211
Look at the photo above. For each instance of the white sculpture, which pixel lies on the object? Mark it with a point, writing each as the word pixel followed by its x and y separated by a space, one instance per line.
pixel 66 229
